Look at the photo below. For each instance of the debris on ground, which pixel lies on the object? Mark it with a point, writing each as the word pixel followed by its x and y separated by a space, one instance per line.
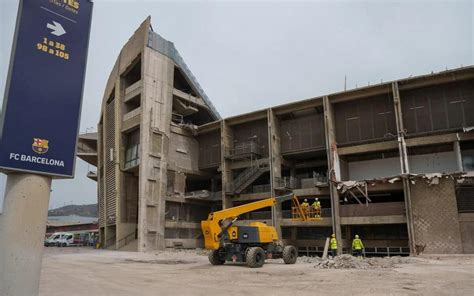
pixel 347 261
pixel 166 262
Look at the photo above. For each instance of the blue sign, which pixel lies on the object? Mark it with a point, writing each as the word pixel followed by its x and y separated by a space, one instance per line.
pixel 43 96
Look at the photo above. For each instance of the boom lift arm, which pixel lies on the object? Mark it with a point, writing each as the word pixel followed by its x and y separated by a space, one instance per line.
pixel 213 228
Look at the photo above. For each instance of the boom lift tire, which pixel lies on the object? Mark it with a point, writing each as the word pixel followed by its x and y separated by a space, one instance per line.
pixel 255 257
pixel 214 258
pixel 289 254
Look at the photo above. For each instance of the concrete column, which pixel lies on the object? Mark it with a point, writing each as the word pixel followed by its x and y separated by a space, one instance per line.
pixel 404 165
pixel 274 149
pixel 227 175
pixel 105 157
pixel 334 169
pixel 155 129
pixel 457 151
pixel 119 94
pixel 23 228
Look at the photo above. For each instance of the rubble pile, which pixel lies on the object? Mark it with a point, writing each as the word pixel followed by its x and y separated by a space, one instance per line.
pixel 347 261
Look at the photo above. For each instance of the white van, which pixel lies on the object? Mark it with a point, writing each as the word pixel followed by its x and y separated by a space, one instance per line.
pixel 73 240
pixel 54 239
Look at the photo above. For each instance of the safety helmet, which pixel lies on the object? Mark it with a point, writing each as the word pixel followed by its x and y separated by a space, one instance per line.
pixel 356 236
pixel 305 199
pixel 333 235
pixel 316 198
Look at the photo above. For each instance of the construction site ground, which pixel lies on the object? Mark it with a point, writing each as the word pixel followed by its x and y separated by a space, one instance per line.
pixel 85 271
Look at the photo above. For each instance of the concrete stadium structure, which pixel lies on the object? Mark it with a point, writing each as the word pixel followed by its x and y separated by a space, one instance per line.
pixel 391 162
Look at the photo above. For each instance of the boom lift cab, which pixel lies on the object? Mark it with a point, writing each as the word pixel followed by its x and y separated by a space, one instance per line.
pixel 251 243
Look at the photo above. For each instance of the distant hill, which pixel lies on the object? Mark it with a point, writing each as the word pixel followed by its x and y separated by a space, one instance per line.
pixel 83 210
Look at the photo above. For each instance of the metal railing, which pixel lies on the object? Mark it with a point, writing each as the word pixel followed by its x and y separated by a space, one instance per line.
pixel 261 188
pixel 288 183
pixel 244 149
pixel 298 183
pixel 177 118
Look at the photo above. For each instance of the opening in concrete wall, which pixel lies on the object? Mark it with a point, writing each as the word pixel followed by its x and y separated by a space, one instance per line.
pixel 381 240
pixel 305 170
pixel 188 106
pixel 133 74
pixel 132 150
pixel 467 152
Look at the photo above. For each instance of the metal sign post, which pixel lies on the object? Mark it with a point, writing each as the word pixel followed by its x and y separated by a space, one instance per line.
pixel 39 128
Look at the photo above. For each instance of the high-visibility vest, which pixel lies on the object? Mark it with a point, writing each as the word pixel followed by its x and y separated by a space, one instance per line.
pixel 316 204
pixel 333 243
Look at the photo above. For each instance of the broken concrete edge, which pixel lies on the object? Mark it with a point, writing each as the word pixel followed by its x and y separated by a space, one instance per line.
pixel 430 178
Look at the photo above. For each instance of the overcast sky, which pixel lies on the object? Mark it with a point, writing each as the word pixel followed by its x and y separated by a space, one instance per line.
pixel 249 55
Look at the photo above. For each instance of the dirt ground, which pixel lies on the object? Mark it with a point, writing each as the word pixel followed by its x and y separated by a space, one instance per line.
pixel 81 271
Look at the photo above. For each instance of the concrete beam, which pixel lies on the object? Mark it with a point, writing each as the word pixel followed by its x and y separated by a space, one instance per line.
pixel 298 106
pixel 363 92
pixel 458 74
pixel 251 196
pixel 365 148
pixel 309 164
pixel 395 219
pixel 314 191
pixel 410 142
pixel 253 116
pixel 90 158
pixel 214 126
pixel 440 139
pixel 189 98
pixel 325 221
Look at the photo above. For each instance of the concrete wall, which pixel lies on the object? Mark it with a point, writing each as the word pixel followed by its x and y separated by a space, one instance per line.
pixel 376 168
pixel 443 162
pixel 435 217
pixel 373 209
pixel 466 221
pixel 183 152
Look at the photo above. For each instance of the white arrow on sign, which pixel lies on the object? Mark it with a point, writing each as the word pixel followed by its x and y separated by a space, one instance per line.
pixel 57 28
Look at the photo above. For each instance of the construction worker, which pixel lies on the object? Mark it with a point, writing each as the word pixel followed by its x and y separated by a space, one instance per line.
pixel 357 246
pixel 317 208
pixel 333 245
pixel 305 207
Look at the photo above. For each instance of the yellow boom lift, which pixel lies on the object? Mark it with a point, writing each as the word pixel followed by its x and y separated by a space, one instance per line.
pixel 251 244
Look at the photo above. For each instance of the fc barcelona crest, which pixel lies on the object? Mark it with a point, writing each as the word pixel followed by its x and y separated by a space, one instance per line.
pixel 40 145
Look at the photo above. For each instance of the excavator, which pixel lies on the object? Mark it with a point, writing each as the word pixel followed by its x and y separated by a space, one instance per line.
pixel 250 244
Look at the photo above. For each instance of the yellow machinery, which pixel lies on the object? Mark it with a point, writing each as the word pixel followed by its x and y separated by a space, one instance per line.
pixel 307 213
pixel 251 243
